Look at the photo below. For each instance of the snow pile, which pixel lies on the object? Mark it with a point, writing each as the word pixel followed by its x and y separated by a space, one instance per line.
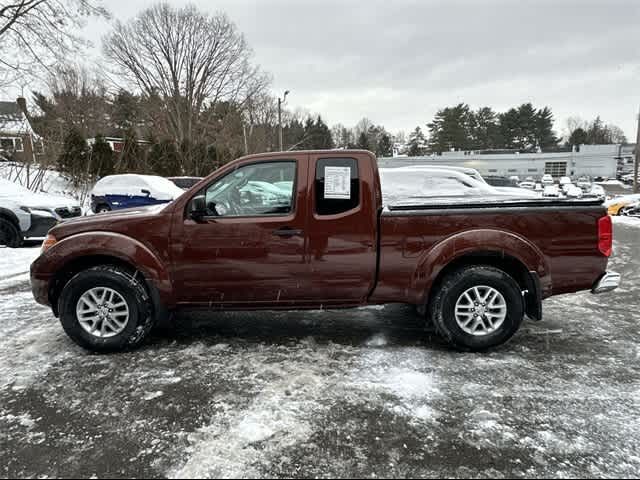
pixel 52 183
pixel 629 221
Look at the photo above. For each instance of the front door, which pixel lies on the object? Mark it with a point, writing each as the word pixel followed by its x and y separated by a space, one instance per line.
pixel 250 247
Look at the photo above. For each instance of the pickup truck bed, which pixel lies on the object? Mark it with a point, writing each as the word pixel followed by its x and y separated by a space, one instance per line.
pixel 300 230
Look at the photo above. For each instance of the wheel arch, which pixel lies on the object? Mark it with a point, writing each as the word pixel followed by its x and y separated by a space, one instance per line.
pixel 9 215
pixel 528 281
pixel 500 249
pixel 71 256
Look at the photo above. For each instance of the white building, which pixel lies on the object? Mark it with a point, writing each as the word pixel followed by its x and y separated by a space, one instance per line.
pixel 591 160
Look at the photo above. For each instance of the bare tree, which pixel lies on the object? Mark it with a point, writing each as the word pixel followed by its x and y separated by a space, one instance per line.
pixel 191 60
pixel 35 34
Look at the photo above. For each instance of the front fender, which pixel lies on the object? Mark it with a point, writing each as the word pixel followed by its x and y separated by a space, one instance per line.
pixel 479 241
pixel 106 244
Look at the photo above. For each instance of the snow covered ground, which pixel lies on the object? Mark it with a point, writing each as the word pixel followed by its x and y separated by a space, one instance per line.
pixel 361 393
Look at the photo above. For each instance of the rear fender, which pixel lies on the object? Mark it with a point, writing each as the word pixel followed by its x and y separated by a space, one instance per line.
pixel 495 242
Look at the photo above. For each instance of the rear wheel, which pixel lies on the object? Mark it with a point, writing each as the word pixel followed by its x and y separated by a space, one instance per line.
pixel 476 308
pixel 106 309
pixel 10 234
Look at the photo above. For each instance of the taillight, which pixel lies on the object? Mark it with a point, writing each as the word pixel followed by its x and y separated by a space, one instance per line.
pixel 605 236
pixel 49 242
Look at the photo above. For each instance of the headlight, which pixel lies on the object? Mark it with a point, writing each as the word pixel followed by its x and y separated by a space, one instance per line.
pixel 49 242
pixel 42 213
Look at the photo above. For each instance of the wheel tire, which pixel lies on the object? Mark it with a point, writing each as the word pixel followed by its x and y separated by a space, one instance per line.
pixel 103 209
pixel 10 234
pixel 130 287
pixel 442 308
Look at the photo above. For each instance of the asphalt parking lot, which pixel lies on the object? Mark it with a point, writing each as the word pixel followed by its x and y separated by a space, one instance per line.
pixel 362 393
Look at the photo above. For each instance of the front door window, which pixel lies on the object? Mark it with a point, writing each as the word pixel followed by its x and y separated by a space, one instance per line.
pixel 253 190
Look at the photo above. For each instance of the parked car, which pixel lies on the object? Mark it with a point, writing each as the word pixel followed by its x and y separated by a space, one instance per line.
pixel 547 180
pixel 565 181
pixel 25 214
pixel 632 210
pixel 527 185
pixel 185 183
pixel 470 172
pixel 15 222
pixel 617 204
pixel 497 181
pixel 584 183
pixel 343 237
pixel 116 192
pixel 596 191
pixel 572 191
pixel 551 191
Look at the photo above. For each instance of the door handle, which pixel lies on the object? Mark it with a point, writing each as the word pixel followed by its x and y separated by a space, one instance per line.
pixel 287 232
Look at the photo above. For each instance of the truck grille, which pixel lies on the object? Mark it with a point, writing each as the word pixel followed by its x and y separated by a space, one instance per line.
pixel 65 212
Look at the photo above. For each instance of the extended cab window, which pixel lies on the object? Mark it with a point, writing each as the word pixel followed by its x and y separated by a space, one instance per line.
pixel 337 186
pixel 257 189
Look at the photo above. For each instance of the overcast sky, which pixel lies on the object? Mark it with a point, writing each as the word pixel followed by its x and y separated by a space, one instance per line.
pixel 397 62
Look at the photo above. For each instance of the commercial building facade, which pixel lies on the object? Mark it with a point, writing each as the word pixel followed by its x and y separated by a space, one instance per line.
pixel 590 160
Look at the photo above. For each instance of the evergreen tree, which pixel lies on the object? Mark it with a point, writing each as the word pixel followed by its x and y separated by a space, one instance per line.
pixel 74 156
pixel 102 161
pixel 417 143
pixel 363 141
pixel 385 147
pixel 125 112
pixel 132 157
pixel 578 137
pixel 164 159
pixel 544 134
pixel 451 128
pixel 293 134
pixel 317 134
pixel 484 129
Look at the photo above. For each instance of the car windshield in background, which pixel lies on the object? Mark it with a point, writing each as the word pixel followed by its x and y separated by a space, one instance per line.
pixel 403 184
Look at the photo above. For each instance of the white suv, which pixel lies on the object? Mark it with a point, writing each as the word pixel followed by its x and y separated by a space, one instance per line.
pixel 547 180
pixel 24 214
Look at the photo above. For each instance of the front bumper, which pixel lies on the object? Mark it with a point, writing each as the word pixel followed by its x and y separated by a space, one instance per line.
pixel 40 225
pixel 40 288
pixel 607 282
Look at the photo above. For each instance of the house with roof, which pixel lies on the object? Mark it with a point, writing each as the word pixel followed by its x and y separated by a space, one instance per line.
pixel 18 141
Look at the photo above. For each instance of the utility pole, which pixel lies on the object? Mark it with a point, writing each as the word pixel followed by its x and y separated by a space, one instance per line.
pixel 636 180
pixel 280 102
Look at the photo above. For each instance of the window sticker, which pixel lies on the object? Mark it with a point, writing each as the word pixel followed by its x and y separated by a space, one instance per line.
pixel 337 183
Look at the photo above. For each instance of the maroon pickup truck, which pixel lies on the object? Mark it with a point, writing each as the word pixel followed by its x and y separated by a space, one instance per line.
pixel 307 230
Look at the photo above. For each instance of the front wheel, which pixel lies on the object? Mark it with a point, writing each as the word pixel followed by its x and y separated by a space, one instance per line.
pixel 477 308
pixel 10 234
pixel 105 309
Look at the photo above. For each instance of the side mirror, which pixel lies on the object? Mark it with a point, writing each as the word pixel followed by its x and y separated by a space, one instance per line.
pixel 198 208
pixel 146 192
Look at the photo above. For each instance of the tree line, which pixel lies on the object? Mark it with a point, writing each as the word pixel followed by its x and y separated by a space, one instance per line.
pixel 181 89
